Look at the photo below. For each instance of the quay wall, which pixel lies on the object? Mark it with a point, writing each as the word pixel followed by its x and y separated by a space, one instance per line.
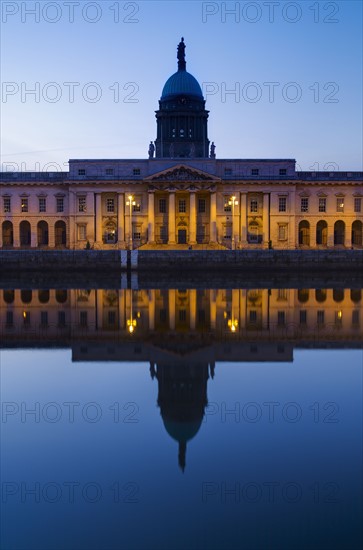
pixel 179 261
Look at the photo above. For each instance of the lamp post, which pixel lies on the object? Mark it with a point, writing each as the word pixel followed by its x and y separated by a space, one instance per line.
pixel 131 202
pixel 233 202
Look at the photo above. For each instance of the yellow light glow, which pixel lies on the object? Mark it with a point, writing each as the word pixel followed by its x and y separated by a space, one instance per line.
pixel 131 329
pixel 24 314
pixel 340 314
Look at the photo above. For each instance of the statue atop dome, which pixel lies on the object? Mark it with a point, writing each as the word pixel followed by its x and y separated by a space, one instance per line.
pixel 181 56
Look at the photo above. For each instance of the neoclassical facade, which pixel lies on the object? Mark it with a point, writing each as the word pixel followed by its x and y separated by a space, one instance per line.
pixel 181 194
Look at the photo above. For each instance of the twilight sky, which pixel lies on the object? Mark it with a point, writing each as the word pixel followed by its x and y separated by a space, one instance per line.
pixel 98 68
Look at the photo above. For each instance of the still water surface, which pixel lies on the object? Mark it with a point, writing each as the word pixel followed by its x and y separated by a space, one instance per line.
pixel 181 419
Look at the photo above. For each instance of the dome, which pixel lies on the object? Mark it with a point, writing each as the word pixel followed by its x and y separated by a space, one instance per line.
pixel 182 83
pixel 182 431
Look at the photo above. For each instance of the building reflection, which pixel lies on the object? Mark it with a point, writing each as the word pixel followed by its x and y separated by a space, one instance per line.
pixel 181 333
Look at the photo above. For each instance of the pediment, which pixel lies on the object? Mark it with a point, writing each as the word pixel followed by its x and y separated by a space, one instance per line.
pixel 182 173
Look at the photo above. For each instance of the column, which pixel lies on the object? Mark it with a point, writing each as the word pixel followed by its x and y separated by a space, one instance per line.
pixel 99 306
pixel 122 308
pixel 330 233
pixel 192 220
pixel 72 219
pixel 243 308
pixel 121 218
pixel 266 219
pixel 151 217
pixel 16 233
pixel 151 309
pixel 172 309
pixel 213 309
pixel 213 218
pixel 171 219
pixel 348 235
pixel 265 308
pixel 192 308
pixel 51 234
pixel 33 234
pixel 236 224
pixel 243 200
pixel 99 218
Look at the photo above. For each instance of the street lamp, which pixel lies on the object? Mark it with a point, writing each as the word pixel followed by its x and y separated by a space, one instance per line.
pixel 131 202
pixel 232 202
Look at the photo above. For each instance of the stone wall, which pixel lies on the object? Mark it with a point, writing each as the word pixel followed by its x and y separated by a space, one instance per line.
pixel 187 261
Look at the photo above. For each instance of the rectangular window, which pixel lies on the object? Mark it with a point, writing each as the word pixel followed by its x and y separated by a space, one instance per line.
pixel 201 206
pixel 24 204
pixel 112 318
pixel 357 205
pixel 162 316
pixel 9 319
pixel 136 171
pixel 340 204
pixel 109 171
pixel 7 204
pixel 136 207
pixel 82 233
pixel 338 318
pixel 281 318
pixel 282 294
pixel 322 205
pixel 162 206
pixel 81 204
pixel 355 317
pixel 44 318
pixel 83 318
pixel 182 205
pixel 255 172
pixel 42 204
pixel 320 317
pixel 253 205
pixel 305 204
pixel 60 204
pixel 282 235
pixel 137 235
pixel 182 315
pixel 253 316
pixel 227 206
pixel 201 316
pixel 81 172
pixel 26 318
pixel 110 205
pixel 282 204
pixel 303 317
pixel 282 171
pixel 61 318
pixel 228 171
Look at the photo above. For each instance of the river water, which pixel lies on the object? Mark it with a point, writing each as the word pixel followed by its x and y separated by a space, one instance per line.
pixel 181 418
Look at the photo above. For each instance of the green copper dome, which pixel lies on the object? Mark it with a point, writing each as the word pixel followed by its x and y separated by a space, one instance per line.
pixel 182 83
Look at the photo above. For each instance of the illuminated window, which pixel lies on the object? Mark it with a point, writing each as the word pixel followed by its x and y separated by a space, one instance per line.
pixel 24 204
pixel 182 205
pixel 304 204
pixel 110 205
pixel 340 204
pixel 81 204
pixel 253 205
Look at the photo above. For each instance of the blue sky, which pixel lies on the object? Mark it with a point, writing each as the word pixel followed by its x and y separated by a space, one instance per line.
pixel 119 55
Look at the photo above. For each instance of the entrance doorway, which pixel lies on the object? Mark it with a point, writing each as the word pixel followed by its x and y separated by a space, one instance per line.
pixel 182 236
